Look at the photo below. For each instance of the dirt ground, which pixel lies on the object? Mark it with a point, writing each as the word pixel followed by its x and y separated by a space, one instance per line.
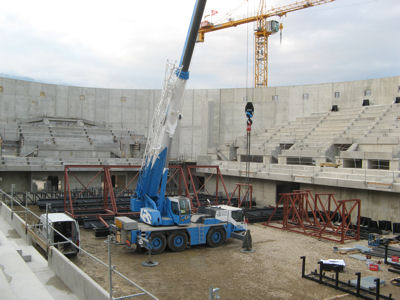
pixel 273 271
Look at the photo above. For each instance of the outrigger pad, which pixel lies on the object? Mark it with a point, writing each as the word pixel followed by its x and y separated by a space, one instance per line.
pixel 247 245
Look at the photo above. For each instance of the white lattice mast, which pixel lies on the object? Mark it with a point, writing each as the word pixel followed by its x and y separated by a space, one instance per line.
pixel 165 120
pixel 156 140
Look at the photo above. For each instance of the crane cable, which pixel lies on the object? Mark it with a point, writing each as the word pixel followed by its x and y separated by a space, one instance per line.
pixel 247 55
pixel 249 110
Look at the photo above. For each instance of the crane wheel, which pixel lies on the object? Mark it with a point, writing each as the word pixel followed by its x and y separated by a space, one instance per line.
pixel 216 236
pixel 177 241
pixel 158 242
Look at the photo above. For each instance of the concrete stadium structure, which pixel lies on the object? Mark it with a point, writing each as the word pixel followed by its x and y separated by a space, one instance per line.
pixel 298 136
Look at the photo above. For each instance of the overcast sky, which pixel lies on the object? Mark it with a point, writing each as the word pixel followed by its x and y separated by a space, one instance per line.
pixel 126 43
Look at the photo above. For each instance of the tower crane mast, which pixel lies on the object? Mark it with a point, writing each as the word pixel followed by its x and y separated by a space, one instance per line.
pixel 262 32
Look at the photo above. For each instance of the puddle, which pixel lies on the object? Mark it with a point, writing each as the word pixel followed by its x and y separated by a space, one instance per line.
pixel 8 277
pixel 12 234
pixel 58 284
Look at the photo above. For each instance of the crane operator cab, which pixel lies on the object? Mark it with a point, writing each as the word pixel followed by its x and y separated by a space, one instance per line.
pixel 174 211
pixel 181 211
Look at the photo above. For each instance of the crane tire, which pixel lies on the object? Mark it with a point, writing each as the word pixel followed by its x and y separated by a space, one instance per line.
pixel 158 242
pixel 177 241
pixel 216 236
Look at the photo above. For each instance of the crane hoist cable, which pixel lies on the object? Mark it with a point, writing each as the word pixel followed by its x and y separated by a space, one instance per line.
pixel 249 106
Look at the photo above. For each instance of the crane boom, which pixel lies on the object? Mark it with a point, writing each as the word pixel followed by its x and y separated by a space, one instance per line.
pixel 169 220
pixel 149 196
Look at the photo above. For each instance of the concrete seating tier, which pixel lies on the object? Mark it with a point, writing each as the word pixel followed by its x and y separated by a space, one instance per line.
pixel 52 142
pixel 268 142
pixel 366 133
pixel 9 132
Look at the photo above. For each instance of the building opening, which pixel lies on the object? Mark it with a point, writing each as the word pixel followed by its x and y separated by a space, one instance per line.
pixel 52 183
pixel 285 187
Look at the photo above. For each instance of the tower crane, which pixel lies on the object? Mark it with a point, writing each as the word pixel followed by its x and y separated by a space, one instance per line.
pixel 262 32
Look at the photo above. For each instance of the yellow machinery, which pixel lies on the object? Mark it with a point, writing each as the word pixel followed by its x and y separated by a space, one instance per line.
pixel 263 30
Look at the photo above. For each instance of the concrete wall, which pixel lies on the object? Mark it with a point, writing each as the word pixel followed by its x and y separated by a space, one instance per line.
pixel 210 117
pixel 22 181
pixel 21 100
pixel 36 181
pixel 13 219
pixel 74 278
pixel 374 204
pixel 263 190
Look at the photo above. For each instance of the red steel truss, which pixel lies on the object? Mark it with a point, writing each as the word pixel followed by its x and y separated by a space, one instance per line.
pixel 198 187
pixel 247 190
pixel 321 216
pixel 177 184
pixel 110 207
pixel 177 177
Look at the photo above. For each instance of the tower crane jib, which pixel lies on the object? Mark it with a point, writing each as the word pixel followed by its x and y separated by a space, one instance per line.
pixel 263 30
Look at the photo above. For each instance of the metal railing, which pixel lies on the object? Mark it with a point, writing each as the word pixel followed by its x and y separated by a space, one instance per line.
pixel 12 201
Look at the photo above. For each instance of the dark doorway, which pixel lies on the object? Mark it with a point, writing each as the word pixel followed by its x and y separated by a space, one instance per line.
pixel 52 183
pixel 285 187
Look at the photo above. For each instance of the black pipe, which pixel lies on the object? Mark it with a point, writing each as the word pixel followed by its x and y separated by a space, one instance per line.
pixel 320 271
pixel 386 253
pixel 378 282
pixel 192 36
pixel 394 271
pixel 336 277
pixel 358 282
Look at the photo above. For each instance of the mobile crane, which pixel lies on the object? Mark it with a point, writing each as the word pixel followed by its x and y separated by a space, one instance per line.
pixel 169 220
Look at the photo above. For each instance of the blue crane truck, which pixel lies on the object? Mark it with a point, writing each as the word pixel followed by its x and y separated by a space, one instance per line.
pixel 168 221
pixel 211 226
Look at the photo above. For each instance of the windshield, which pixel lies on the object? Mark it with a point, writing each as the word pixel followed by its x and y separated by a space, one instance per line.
pixel 237 215
pixel 184 205
pixel 175 208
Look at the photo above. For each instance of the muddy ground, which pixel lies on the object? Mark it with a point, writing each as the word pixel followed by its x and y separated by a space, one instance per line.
pixel 272 272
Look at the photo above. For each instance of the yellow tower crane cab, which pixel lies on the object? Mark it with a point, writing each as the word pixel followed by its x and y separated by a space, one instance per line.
pixel 273 26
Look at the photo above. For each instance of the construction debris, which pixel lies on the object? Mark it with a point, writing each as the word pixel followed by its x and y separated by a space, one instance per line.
pixel 368 282
pixel 358 256
pixel 355 249
pixel 365 288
